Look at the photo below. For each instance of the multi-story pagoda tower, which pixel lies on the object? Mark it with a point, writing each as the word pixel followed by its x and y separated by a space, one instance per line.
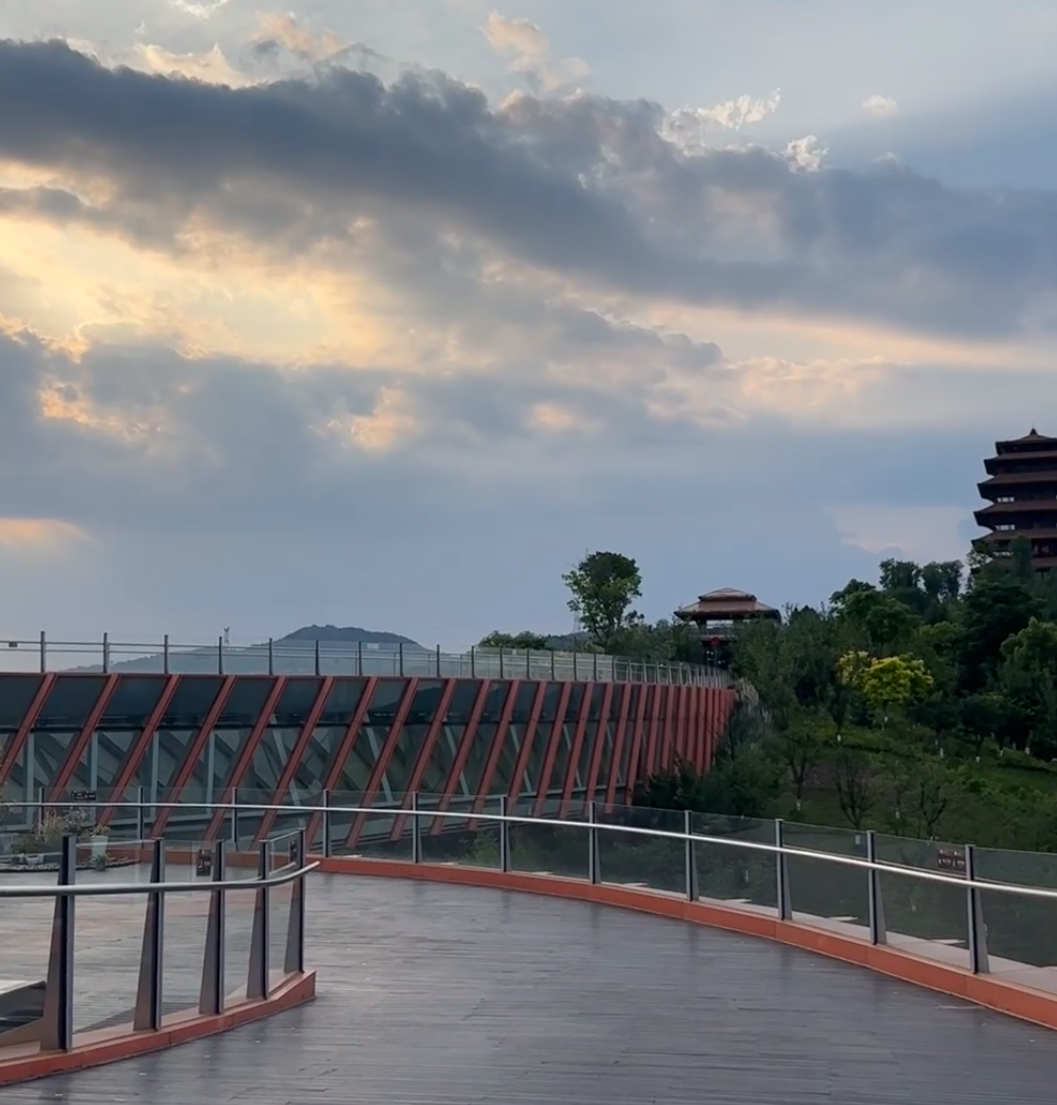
pixel 1022 493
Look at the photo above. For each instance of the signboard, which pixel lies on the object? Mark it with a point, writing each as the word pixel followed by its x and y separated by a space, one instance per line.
pixel 951 859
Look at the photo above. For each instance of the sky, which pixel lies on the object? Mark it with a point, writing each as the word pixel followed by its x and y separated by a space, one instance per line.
pixel 385 313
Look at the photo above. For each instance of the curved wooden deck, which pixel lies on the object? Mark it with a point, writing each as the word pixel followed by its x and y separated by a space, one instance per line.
pixel 442 995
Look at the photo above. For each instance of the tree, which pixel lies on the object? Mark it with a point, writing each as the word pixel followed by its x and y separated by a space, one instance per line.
pixel 526 641
pixel 603 586
pixel 853 778
pixel 890 683
pixel 800 746
pixel 997 606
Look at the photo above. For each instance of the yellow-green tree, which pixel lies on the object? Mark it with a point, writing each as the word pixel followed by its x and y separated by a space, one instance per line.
pixel 888 683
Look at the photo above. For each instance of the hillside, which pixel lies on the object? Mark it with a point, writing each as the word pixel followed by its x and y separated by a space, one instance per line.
pixel 349 634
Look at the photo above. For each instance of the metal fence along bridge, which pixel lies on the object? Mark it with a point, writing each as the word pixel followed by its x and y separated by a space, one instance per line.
pixel 130 940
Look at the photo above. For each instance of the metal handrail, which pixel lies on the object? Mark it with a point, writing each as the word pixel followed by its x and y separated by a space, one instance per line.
pixel 90 890
pixel 962 883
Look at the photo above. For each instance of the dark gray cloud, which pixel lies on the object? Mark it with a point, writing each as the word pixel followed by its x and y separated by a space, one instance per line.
pixel 583 187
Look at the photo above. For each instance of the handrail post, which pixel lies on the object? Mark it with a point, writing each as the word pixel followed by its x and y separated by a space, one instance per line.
pixel 359 657
pixel 691 857
pixel 165 655
pixel 785 908
pixel 211 995
pixel 878 932
pixel 552 665
pixel 473 662
pixel 978 960
pixel 528 663
pixel 220 655
pixel 504 835
pixel 294 961
pixel 106 653
pixel 148 1011
pixel 416 830
pixel 257 980
pixel 326 824
pixel 594 674
pixel 575 672
pixel 437 672
pixel 56 1033
pixel 594 872
pixel 317 660
pixel 271 656
pixel 235 820
pixel 43 652
pixel 500 661
pixel 400 655
pixel 141 814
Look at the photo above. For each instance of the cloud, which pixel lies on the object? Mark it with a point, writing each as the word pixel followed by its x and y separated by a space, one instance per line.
pixel 921 533
pixel 517 35
pixel 691 127
pixel 210 66
pixel 38 535
pixel 202 12
pixel 880 105
pixel 585 188
pixel 533 54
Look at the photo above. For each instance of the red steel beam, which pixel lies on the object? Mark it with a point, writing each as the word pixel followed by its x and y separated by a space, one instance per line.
pixel 618 743
pixel 77 748
pixel 601 734
pixel 242 761
pixel 139 746
pixel 575 750
pixel 638 736
pixel 294 759
pixel 194 753
pixel 557 732
pixel 425 754
pixel 26 726
pixel 531 728
pixel 496 751
pixel 344 750
pixel 385 754
pixel 461 756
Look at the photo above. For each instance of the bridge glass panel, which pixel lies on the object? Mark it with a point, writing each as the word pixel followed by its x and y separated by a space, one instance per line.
pixel 182 719
pixel 634 692
pixel 445 750
pixel 276 745
pixel 321 751
pixel 240 714
pixel 17 697
pixel 485 736
pixel 412 737
pixel 356 770
pixel 61 719
pixel 568 729
pixel 514 738
pixel 537 754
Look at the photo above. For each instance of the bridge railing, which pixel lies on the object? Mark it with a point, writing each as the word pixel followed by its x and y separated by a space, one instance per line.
pixel 986 910
pixel 946 902
pixel 143 937
pixel 336 658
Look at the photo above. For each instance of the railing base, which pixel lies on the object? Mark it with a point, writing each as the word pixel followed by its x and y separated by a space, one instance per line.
pixel 94 1049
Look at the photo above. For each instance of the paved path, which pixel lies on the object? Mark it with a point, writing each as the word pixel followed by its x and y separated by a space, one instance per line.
pixel 431 995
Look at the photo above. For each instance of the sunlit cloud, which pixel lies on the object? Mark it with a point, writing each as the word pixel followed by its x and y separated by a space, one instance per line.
pixel 39 535
pixel 921 533
pixel 880 105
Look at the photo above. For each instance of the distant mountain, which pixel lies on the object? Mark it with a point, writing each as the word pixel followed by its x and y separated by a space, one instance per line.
pixel 341 651
pixel 349 634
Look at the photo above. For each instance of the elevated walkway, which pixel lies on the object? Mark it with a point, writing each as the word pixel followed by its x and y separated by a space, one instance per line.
pixel 441 995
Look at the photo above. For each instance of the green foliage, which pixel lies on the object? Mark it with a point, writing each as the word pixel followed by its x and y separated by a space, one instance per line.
pixel 603 587
pixel 525 641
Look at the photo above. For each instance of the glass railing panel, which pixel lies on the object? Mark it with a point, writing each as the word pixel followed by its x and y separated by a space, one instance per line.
pixel 238 933
pixel 548 849
pixel 25 942
pixel 1021 931
pixel 922 917
pixel 633 859
pixel 107 934
pixel 340 819
pixel 825 894
pixel 370 832
pixel 472 841
pixel 729 874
